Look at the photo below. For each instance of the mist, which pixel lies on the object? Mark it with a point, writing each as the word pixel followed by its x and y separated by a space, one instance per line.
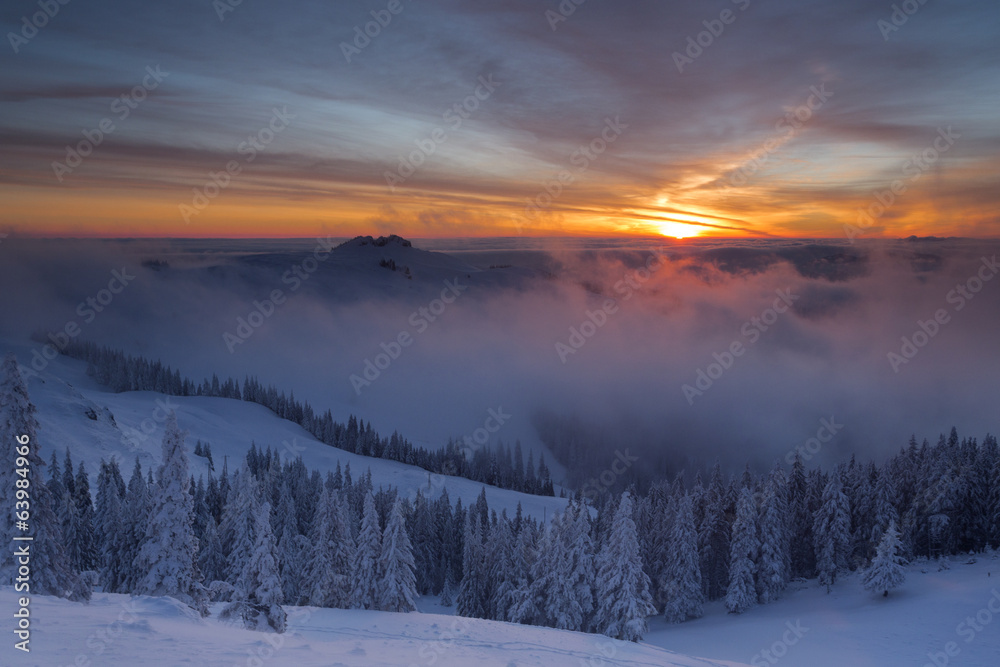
pixel 679 352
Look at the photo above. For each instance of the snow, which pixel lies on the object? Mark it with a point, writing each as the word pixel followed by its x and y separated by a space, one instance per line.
pixel 64 394
pixel 852 626
pixel 154 632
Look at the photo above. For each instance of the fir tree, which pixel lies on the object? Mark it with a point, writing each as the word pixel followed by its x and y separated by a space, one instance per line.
pixel 622 587
pixel 239 520
pixel 500 547
pixel 211 560
pixel 365 594
pixel 51 573
pixel 832 533
pixel 327 579
pixel 713 539
pixel 681 583
pixel 88 549
pixel 803 557
pixel 73 533
pixel 55 484
pixel 774 544
pixel 552 581
pixel 886 571
pixel 291 555
pixel 396 579
pixel 471 601
pixel 135 515
pixel 523 607
pixel 257 594
pixel 884 506
pixel 446 594
pixel 580 564
pixel 113 566
pixel 168 555
pixel 742 592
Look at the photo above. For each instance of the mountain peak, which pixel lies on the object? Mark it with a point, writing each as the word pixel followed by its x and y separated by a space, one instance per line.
pixel 379 242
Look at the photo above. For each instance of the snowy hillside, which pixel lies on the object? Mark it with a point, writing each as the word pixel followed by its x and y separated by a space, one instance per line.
pixel 912 627
pixel 159 632
pixel 75 413
pixel 806 628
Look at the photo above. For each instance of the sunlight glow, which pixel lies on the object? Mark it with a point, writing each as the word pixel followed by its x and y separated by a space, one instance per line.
pixel 678 230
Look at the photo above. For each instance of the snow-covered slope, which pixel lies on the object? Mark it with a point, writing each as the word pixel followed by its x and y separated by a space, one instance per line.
pixel 93 423
pixel 912 627
pixel 932 613
pixel 159 632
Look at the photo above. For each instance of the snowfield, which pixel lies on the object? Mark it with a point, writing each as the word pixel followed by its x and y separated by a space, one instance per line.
pixel 155 632
pixel 852 627
pixel 94 423
pixel 932 613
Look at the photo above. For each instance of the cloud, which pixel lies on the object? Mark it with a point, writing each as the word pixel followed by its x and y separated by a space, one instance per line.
pixel 496 344
pixel 686 131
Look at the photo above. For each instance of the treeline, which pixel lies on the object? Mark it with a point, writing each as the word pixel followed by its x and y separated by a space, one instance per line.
pixel 753 534
pixel 500 465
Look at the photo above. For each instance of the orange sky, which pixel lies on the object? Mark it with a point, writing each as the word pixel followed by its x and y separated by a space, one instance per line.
pixel 440 132
pixel 243 212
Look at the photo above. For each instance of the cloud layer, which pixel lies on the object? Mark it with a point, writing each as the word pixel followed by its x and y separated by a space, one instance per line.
pixel 712 351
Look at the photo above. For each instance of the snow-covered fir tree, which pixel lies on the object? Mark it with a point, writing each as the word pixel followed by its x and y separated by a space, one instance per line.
pixel 239 518
pixel 472 601
pixel 500 564
pixel 112 532
pixel 883 506
pixel 73 532
pixel 713 538
pixel 580 561
pixel 742 591
pixel 51 573
pixel 55 484
pixel 168 556
pixel 553 585
pixel 326 580
pixel 293 552
pixel 88 553
pixel 211 560
pixel 365 593
pixel 135 513
pixel 681 582
pixel 801 553
pixel 397 584
pixel 446 592
pixel 523 607
pixel 886 571
pixel 773 563
pixel 832 532
pixel 622 591
pixel 256 599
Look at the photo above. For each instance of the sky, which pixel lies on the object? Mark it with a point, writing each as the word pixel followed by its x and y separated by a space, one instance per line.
pixel 451 119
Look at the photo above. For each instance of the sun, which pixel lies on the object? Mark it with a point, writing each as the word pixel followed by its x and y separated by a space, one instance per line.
pixel 678 230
